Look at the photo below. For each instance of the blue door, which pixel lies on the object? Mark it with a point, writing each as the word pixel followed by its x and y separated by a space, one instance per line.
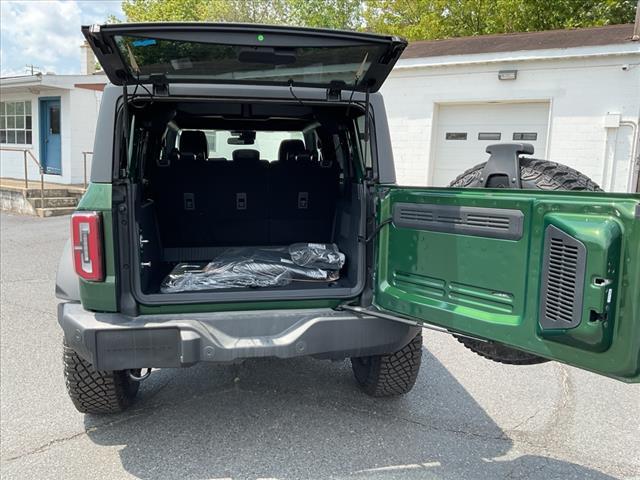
pixel 50 156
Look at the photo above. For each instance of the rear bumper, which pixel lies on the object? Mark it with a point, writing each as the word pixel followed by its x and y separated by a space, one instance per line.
pixel 112 341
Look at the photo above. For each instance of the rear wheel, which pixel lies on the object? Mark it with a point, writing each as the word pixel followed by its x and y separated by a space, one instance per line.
pixel 535 175
pixel 94 391
pixel 392 374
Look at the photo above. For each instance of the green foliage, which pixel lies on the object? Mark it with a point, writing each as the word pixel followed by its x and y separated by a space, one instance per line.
pixel 413 19
pixel 165 10
pixel 252 11
pixel 428 19
pixel 340 14
pixel 311 13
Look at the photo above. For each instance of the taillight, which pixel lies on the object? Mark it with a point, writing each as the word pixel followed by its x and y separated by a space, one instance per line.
pixel 86 235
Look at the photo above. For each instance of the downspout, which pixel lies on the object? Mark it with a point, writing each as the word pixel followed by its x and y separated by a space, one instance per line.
pixel 635 156
pixel 634 178
pixel 636 26
pixel 608 173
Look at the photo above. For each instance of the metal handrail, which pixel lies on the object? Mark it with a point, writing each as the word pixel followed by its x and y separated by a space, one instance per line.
pixel 25 152
pixel 84 166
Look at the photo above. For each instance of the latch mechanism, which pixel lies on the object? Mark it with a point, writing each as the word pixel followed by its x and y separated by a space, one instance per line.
pixel 334 91
pixel 160 84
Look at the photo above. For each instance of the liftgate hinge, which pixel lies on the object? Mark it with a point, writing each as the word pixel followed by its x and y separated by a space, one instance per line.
pixel 403 319
pixel 95 36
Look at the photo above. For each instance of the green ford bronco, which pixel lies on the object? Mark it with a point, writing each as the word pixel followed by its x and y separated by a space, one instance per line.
pixel 243 204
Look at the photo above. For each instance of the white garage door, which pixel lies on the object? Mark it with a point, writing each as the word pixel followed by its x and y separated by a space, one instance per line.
pixel 464 131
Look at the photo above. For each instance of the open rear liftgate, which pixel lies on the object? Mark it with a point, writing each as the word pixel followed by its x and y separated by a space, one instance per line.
pixel 502 170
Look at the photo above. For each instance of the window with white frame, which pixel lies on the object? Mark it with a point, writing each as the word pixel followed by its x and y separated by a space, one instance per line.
pixel 15 122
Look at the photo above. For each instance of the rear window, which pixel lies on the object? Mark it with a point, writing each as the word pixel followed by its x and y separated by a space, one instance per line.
pixel 304 65
pixel 267 143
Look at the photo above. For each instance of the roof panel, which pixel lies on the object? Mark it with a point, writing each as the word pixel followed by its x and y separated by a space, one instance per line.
pixel 583 37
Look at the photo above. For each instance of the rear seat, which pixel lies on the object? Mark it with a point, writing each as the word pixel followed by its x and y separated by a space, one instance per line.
pixel 302 197
pixel 240 201
pixel 246 201
pixel 180 193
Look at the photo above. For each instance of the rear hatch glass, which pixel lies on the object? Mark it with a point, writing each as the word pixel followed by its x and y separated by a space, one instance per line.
pixel 244 54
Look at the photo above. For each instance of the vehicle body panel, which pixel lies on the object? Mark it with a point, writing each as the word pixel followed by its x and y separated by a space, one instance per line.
pixel 472 261
pixel 469 281
pixel 101 296
pixel 112 341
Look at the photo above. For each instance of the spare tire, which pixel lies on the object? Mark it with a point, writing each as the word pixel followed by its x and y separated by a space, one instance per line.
pixel 535 175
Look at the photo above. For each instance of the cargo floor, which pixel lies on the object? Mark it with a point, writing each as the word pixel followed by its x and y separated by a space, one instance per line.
pixel 202 255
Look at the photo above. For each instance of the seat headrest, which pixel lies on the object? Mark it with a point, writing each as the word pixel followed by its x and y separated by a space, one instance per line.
pixel 246 155
pixel 289 148
pixel 304 157
pixel 193 145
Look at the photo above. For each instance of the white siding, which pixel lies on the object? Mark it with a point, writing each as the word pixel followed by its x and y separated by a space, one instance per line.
pixel 12 163
pixel 78 115
pixel 581 92
pixel 66 133
pixel 83 117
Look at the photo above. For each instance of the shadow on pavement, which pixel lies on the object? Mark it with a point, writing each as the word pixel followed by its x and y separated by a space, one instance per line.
pixel 302 418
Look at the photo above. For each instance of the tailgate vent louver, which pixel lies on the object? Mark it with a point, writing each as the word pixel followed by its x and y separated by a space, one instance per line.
pixel 477 221
pixel 563 269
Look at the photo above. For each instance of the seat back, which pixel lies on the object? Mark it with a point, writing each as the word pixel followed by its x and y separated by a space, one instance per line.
pixel 181 194
pixel 245 201
pixel 302 203
pixel 240 200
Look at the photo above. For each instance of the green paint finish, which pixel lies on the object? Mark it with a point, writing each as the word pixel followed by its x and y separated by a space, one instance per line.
pixel 602 236
pixel 97 197
pixel 101 296
pixel 231 307
pixel 491 287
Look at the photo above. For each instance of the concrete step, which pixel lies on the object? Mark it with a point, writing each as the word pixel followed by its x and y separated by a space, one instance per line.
pixel 54 211
pixel 54 192
pixel 50 202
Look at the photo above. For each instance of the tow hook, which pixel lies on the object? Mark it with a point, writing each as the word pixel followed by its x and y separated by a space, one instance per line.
pixel 137 376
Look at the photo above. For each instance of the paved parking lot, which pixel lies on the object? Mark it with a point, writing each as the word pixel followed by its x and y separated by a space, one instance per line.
pixel 295 419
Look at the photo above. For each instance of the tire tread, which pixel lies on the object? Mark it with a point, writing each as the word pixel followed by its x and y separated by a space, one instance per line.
pixel 392 374
pixel 94 391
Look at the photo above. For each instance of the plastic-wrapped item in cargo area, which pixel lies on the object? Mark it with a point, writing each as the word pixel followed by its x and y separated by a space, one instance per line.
pixel 243 267
pixel 317 255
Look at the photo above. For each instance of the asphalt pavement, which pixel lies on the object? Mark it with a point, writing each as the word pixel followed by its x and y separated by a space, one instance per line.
pixel 294 419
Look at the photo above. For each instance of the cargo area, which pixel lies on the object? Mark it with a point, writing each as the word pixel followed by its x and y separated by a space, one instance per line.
pixel 215 177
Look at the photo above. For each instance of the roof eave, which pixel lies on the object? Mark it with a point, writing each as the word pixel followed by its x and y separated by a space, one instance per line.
pixel 519 56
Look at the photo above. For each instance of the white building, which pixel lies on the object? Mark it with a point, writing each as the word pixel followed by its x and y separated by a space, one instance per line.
pixel 573 94
pixel 53 116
